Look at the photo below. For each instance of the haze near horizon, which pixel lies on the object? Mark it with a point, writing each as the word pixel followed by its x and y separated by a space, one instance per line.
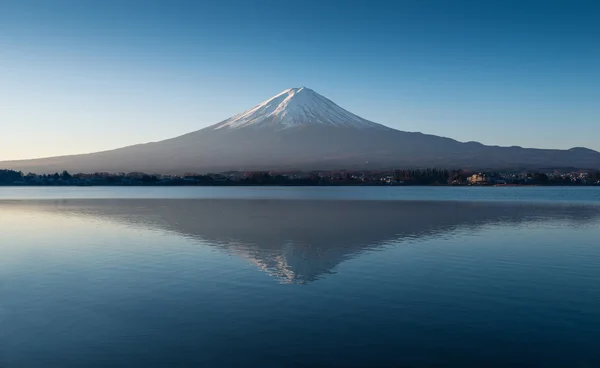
pixel 82 77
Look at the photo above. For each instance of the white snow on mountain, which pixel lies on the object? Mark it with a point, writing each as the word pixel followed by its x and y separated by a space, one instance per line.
pixel 296 107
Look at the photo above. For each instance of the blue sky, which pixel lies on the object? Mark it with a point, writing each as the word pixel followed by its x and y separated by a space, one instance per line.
pixel 82 76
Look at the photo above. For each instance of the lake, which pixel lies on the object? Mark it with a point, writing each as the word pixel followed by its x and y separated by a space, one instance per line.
pixel 295 277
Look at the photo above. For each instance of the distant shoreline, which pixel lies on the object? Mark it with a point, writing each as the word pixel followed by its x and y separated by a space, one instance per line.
pixel 336 178
pixel 296 185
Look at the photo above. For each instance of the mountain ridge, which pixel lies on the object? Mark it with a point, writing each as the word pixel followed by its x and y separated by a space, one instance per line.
pixel 298 129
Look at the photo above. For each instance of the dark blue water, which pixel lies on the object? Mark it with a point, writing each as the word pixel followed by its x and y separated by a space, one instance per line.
pixel 271 282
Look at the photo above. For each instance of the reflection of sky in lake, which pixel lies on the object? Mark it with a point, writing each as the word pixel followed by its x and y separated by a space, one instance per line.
pixel 182 282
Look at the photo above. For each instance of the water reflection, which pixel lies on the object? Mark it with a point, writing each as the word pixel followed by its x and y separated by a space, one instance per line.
pixel 300 241
pixel 150 283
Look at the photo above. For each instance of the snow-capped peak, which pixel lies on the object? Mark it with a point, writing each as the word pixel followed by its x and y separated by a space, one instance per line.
pixel 296 107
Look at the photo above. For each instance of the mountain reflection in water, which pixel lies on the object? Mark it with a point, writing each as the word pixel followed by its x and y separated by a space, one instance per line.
pixel 301 241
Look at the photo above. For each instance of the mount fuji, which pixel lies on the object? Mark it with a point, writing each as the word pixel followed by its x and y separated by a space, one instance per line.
pixel 298 129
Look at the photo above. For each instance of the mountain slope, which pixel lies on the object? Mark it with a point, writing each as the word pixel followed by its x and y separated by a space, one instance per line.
pixel 301 130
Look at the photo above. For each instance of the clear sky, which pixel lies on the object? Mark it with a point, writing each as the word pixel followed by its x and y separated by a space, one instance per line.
pixel 82 76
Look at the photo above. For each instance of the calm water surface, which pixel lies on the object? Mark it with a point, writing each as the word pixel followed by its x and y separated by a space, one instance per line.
pixel 213 277
pixel 562 194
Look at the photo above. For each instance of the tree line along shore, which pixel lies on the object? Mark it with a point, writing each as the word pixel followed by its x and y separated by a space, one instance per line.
pixel 315 178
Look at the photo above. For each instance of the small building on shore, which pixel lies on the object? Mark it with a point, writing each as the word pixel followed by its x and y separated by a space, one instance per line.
pixel 478 179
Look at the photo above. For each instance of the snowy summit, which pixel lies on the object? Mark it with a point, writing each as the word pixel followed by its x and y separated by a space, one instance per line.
pixel 296 107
